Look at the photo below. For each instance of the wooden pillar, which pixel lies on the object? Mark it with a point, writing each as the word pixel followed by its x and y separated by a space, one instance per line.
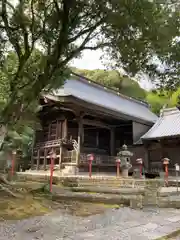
pixel 38 158
pixel 112 141
pixel 79 141
pixel 32 153
pixel 146 157
pixel 97 139
pixel 32 160
pixel 65 129
pixel 163 152
pixel 60 155
pixel 45 158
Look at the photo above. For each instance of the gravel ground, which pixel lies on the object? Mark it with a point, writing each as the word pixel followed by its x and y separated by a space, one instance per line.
pixel 123 223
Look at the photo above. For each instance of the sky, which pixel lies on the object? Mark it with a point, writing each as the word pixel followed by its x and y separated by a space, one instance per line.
pixel 91 60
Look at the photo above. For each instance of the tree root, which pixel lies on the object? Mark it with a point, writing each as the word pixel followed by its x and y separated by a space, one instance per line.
pixel 5 186
pixel 4 180
pixel 8 191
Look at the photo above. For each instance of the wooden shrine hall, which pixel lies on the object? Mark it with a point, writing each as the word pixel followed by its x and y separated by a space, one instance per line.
pixel 84 117
pixel 163 141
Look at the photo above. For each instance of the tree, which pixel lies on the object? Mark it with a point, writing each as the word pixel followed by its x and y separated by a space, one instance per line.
pixel 146 39
pixel 156 101
pixel 133 31
pixel 160 99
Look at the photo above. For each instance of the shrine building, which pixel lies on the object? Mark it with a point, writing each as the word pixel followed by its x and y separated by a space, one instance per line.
pixel 84 117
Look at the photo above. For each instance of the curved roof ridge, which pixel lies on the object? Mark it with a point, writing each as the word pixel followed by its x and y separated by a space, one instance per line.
pixel 109 89
pixel 167 125
pixel 169 111
pixel 158 122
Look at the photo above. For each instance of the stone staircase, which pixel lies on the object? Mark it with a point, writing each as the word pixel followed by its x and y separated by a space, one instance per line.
pixel 110 182
pixel 139 193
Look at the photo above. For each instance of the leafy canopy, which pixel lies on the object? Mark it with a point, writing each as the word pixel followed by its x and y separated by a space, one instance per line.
pixel 132 32
pixel 39 38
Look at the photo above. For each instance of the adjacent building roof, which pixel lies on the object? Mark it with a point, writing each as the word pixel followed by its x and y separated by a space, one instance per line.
pixel 168 125
pixel 99 95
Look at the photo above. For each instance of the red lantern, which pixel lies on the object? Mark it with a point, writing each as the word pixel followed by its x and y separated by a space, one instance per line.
pixel 90 158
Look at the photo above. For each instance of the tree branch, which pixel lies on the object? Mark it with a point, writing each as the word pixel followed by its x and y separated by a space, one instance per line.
pixel 8 29
pixel 101 45
pixel 85 31
pixel 62 40
pixel 32 25
pixel 24 30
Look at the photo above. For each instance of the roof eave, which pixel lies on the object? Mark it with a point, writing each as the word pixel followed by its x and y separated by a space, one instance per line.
pixel 160 137
pixel 119 115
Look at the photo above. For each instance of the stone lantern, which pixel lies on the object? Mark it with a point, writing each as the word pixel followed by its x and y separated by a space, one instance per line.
pixel 125 157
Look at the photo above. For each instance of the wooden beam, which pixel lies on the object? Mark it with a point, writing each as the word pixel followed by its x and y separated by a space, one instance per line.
pixel 80 130
pixel 95 123
pixel 38 159
pixel 45 159
pixel 65 129
pixel 32 154
pixel 112 141
pixel 60 156
pixel 97 139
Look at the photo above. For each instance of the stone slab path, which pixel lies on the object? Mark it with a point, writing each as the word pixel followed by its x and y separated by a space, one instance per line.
pixel 114 224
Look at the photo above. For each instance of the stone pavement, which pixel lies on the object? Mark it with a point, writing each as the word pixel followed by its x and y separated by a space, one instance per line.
pixel 114 224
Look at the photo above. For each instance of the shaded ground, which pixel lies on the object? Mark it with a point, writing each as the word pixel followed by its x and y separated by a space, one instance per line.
pixel 37 205
pixel 70 220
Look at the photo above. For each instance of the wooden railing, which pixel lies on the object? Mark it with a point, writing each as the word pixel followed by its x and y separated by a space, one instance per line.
pixel 48 144
pixel 70 157
pixel 56 143
pixel 42 151
pixel 98 159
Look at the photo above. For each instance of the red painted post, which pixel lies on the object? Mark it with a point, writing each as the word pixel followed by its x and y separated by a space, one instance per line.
pixel 140 162
pixel 13 162
pixel 118 161
pixel 53 156
pixel 166 163
pixel 90 159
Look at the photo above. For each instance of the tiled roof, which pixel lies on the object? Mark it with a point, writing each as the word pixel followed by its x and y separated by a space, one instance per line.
pixel 103 97
pixel 168 125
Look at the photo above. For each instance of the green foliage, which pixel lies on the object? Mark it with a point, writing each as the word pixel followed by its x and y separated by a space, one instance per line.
pixel 69 182
pixel 175 97
pixel 133 33
pixel 159 99
pixel 20 133
pixel 156 102
pixel 145 36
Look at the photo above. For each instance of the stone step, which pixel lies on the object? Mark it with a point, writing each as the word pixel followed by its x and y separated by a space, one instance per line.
pixel 110 190
pixel 95 197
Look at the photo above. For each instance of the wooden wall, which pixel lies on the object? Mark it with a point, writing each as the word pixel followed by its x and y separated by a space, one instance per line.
pixel 169 148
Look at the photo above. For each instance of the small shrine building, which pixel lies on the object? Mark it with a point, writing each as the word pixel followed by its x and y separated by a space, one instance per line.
pixel 163 140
